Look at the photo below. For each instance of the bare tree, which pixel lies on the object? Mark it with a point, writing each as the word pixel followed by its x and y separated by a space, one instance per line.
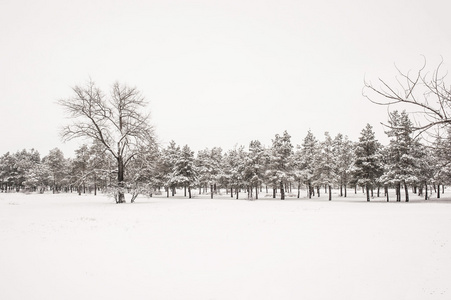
pixel 115 121
pixel 425 92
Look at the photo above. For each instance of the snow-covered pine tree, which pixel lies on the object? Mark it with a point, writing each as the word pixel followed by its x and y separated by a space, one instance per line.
pixel 367 167
pixel 327 165
pixel 209 164
pixel 280 167
pixel 402 164
pixel 169 157
pixel 344 153
pixel 425 161
pixel 234 169
pixel 254 167
pixel 308 153
pixel 184 170
pixel 56 163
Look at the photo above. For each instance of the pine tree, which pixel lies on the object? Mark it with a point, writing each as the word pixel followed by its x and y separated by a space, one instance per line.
pixel 401 166
pixel 280 167
pixel 367 167
pixel 308 154
pixel 234 169
pixel 327 165
pixel 184 170
pixel 254 167
pixel 344 153
pixel 56 163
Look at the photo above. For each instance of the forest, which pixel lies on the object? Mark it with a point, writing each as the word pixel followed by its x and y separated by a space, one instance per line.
pixel 282 169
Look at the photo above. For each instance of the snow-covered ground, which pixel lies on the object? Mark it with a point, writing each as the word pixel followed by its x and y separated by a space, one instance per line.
pixel 85 247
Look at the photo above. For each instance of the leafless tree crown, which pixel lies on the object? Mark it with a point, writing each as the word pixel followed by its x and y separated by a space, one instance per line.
pixel 116 121
pixel 427 93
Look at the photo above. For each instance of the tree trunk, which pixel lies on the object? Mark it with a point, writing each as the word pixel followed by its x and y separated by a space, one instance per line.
pixel 406 189
pixel 438 191
pixel 274 193
pixel 282 191
pixel 184 188
pixel 237 192
pixel 211 191
pixel 189 192
pixel 317 191
pixel 120 180
pixel 299 189
pixel 330 193
pixel 256 192
pixel 367 193
pixel 310 190
pixel 346 193
pixel 386 193
pixel 95 184
pixel 341 190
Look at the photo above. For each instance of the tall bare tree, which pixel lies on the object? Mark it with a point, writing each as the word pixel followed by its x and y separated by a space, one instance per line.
pixel 426 92
pixel 114 120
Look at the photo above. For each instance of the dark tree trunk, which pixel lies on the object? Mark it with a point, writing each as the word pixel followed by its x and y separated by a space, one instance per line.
pixel 299 189
pixel 438 191
pixel 330 193
pixel 274 191
pixel 184 188
pixel 367 193
pixel 95 184
pixel 386 193
pixel 317 191
pixel 120 180
pixel 189 192
pixel 346 192
pixel 256 192
pixel 378 191
pixel 310 190
pixel 341 190
pixel 211 191
pixel 282 191
pixel 406 190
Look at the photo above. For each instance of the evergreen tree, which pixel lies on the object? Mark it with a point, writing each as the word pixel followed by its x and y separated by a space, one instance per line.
pixel 344 154
pixel 254 167
pixel 367 167
pixel 184 171
pixel 401 165
pixel 169 157
pixel 56 164
pixel 280 167
pixel 308 154
pixel 327 166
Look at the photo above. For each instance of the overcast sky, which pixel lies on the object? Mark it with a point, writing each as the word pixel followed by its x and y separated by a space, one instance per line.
pixel 216 73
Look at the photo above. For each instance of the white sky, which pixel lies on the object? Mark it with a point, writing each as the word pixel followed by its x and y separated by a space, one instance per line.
pixel 216 73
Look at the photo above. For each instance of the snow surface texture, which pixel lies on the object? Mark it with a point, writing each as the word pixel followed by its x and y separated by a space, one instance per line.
pixel 85 247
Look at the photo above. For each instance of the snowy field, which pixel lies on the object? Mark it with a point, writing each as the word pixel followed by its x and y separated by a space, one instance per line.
pixel 85 247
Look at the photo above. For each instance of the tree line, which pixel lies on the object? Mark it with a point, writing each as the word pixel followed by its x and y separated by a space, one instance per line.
pixel 277 170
